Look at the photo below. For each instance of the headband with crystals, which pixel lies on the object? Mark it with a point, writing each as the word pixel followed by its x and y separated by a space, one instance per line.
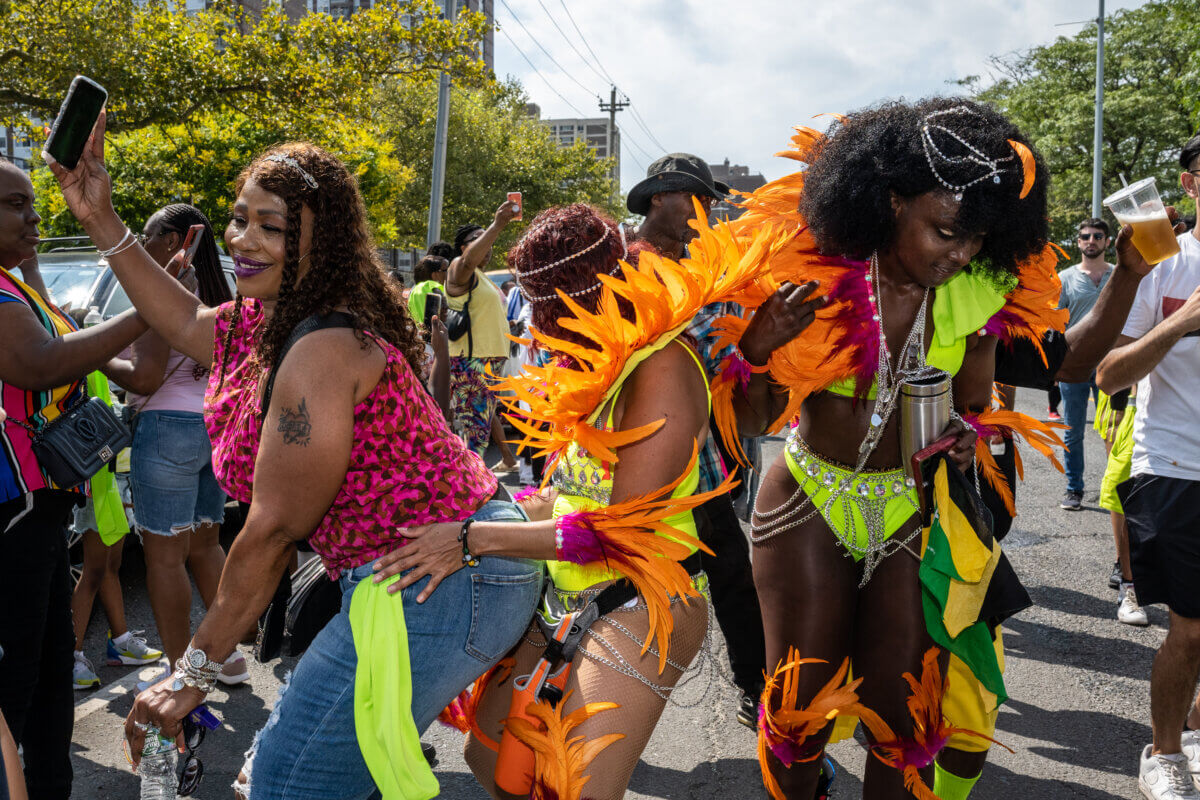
pixel 992 167
pixel 283 158
pixel 561 261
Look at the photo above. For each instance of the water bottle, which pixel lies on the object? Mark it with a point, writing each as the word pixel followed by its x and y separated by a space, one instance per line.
pixel 924 412
pixel 93 317
pixel 157 767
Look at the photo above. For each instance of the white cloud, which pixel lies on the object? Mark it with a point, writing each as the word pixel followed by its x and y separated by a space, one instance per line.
pixel 729 80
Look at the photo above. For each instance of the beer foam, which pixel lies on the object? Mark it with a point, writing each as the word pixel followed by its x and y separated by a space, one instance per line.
pixel 1134 219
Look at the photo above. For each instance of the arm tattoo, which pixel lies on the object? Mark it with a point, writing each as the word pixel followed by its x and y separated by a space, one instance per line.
pixel 295 425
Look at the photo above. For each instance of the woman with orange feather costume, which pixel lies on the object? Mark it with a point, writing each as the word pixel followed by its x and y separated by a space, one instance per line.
pixel 621 413
pixel 925 225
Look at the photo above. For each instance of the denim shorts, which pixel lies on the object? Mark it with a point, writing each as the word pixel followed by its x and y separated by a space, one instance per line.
pixel 85 515
pixel 171 473
pixel 308 749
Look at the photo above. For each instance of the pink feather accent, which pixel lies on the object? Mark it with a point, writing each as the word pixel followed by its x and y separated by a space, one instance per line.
pixel 736 368
pixel 912 753
pixel 525 494
pixel 1004 325
pixel 859 333
pixel 578 540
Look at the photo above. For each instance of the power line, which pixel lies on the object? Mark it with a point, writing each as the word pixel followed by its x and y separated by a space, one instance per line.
pixel 626 135
pixel 561 68
pixel 540 75
pixel 585 42
pixel 567 39
pixel 642 123
pixel 641 166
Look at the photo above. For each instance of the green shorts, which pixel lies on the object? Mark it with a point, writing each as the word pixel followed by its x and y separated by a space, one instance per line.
pixel 1120 461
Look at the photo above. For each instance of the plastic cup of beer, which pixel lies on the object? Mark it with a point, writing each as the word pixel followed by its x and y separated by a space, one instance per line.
pixel 1139 206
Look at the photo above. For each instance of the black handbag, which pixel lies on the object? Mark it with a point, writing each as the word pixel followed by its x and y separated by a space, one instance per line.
pixel 80 443
pixel 458 321
pixel 306 600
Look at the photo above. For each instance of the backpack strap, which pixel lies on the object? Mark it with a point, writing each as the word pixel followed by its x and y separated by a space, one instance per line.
pixel 335 319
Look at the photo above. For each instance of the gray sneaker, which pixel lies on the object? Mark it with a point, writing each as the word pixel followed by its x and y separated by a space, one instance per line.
pixel 1072 501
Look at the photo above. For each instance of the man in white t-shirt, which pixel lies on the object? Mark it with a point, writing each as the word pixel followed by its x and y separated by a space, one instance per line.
pixel 1160 346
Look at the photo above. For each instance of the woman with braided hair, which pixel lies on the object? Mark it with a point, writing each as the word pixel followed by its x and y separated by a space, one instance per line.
pixel 336 443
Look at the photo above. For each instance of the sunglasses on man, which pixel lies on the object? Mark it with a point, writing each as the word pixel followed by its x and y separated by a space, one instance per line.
pixel 1087 237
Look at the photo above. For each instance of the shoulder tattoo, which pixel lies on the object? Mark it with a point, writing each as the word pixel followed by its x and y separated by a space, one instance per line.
pixel 295 425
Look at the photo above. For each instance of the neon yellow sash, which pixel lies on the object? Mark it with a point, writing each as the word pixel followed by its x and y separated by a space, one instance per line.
pixel 106 499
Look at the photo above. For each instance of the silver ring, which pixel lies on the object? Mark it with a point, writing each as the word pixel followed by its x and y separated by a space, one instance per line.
pixel 141 726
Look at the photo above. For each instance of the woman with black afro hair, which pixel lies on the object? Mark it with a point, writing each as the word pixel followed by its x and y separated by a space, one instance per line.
pixel 924 225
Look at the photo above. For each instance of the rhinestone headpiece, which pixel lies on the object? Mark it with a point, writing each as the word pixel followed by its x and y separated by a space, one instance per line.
pixel 294 164
pixel 992 167
pixel 561 261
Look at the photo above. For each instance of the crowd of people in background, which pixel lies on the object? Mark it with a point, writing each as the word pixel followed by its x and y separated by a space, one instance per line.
pixel 367 442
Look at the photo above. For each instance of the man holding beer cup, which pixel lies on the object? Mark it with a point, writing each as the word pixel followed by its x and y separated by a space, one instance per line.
pixel 1160 344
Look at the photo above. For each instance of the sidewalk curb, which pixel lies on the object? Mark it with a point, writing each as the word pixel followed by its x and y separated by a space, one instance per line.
pixel 103 697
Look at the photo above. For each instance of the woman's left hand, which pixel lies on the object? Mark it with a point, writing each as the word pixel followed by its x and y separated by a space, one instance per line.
pixel 962 453
pixel 432 550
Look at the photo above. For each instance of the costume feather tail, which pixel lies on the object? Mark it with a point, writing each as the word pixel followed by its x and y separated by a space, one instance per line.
pixel 559 758
pixel 461 713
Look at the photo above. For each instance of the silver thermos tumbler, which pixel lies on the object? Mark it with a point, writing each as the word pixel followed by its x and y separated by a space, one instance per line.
pixel 924 413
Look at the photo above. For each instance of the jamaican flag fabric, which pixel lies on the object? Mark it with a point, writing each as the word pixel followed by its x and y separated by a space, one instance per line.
pixel 968 586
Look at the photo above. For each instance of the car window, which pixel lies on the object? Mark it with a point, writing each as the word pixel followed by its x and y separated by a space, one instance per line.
pixel 69 285
pixel 118 301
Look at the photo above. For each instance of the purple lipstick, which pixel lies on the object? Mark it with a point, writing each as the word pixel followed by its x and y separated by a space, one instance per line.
pixel 247 267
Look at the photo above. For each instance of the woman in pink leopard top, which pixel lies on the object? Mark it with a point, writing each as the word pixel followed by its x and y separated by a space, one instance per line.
pixel 341 446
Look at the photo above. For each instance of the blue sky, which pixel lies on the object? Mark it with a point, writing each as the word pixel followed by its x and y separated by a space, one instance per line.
pixel 729 80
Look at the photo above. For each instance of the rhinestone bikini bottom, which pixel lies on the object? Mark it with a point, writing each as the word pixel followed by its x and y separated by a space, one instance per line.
pixel 867 513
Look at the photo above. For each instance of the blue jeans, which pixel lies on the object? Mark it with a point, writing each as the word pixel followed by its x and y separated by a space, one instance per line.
pixel 308 747
pixel 1075 405
pixel 171 474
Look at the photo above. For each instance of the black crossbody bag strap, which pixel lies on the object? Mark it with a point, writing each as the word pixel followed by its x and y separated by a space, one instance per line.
pixel 336 319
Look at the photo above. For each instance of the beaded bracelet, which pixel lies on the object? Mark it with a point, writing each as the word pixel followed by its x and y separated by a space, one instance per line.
pixel 467 558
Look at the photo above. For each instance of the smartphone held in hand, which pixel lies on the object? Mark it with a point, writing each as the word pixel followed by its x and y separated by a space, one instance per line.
pixel 76 117
pixel 515 199
pixel 191 244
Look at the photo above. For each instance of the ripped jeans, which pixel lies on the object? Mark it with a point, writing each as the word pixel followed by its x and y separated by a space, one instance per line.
pixel 308 749
pixel 171 477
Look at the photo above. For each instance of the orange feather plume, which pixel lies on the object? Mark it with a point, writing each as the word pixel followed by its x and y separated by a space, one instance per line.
pixel 784 727
pixel 461 713
pixel 666 295
pixel 930 731
pixel 1028 166
pixel 560 759
pixel 1041 436
pixel 634 538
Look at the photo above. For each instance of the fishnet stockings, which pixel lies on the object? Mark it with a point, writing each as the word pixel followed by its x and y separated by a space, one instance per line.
pixel 590 682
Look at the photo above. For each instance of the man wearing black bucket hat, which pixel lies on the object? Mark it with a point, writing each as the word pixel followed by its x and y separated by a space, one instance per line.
pixel 664 198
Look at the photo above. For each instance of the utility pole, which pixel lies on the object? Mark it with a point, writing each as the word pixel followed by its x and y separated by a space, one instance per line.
pixel 438 181
pixel 1097 160
pixel 612 107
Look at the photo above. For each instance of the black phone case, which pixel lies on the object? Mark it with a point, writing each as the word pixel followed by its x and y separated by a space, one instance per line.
pixel 76 117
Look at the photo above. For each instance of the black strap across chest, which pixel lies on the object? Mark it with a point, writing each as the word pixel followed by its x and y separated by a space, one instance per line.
pixel 317 322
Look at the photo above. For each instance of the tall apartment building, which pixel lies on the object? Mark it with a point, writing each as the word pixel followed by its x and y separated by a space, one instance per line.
pixel 17 148
pixel 593 132
pixel 737 177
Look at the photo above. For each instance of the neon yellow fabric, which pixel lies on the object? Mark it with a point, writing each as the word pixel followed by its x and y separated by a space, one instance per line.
pixel 899 509
pixel 417 297
pixel 383 723
pixel 948 786
pixel 1120 464
pixel 106 499
pixel 961 307
pixel 597 475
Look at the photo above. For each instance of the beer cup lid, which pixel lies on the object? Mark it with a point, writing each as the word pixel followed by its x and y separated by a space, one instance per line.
pixel 1126 191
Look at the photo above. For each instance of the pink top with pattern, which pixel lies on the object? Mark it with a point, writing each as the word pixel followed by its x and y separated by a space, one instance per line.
pixel 406 466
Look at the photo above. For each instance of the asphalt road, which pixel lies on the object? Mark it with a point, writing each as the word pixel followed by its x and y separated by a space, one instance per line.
pixel 1078 680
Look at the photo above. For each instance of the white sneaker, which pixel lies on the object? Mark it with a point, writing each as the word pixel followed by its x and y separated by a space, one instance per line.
pixel 1164 778
pixel 1190 742
pixel 83 675
pixel 234 671
pixel 1129 611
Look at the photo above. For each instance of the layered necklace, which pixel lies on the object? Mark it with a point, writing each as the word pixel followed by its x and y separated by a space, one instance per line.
pixel 870 502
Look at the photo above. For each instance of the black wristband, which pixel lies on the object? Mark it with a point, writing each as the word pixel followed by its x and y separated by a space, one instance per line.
pixel 467 558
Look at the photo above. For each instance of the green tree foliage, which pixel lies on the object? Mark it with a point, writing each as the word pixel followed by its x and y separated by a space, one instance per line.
pixel 1151 104
pixel 493 147
pixel 162 65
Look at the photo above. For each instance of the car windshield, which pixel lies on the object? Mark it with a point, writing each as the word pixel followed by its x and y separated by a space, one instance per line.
pixel 69 284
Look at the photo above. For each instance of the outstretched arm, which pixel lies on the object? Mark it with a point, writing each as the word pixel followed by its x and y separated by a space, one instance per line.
pixel 167 307
pixel 458 277
pixel 1133 359
pixel 33 360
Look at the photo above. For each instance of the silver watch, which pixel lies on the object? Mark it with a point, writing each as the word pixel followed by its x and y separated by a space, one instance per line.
pixel 196 660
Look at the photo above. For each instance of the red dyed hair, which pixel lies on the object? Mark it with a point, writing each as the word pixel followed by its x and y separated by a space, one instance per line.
pixel 553 235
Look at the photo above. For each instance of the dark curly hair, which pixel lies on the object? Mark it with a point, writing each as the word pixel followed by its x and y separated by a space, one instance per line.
pixel 344 269
pixel 462 237
pixel 878 151
pixel 553 235
pixel 443 249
